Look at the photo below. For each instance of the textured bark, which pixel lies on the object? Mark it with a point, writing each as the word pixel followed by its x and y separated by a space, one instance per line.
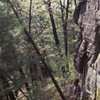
pixel 87 55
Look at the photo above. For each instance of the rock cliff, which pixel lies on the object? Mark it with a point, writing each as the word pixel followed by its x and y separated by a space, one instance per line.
pixel 87 50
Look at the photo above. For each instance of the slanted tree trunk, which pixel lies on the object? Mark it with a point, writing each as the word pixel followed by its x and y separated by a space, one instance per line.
pixel 87 56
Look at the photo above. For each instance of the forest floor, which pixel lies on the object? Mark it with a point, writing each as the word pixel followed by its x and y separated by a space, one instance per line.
pixel 67 90
pixel 49 91
pixel 52 94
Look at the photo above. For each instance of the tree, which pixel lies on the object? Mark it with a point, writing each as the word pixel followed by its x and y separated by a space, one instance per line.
pixel 64 21
pixel 53 22
pixel 24 70
pixel 10 63
pixel 87 55
pixel 38 53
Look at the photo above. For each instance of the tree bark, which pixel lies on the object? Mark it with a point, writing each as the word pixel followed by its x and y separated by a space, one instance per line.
pixel 53 23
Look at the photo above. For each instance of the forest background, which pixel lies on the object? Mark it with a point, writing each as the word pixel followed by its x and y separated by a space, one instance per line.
pixel 23 71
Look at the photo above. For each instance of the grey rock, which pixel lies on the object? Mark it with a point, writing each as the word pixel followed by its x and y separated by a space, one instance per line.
pixel 87 50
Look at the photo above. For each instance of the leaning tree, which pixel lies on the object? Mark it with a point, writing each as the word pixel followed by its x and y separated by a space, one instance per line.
pixel 87 56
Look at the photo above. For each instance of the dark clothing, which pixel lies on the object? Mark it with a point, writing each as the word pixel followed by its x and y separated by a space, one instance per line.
pixel 76 91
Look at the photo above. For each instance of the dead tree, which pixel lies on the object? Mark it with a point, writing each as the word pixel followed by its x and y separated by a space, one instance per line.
pixel 87 56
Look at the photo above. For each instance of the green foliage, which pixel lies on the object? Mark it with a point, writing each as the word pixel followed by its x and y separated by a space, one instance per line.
pixel 16 51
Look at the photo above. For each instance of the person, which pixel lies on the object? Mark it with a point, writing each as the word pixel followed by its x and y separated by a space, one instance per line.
pixel 76 89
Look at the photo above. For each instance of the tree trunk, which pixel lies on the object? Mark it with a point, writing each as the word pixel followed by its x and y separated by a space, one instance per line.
pixel 53 23
pixel 23 75
pixel 87 56
pixel 64 21
pixel 30 17
pixel 65 38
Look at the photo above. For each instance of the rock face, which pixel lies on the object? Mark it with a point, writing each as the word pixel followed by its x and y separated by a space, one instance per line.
pixel 87 54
